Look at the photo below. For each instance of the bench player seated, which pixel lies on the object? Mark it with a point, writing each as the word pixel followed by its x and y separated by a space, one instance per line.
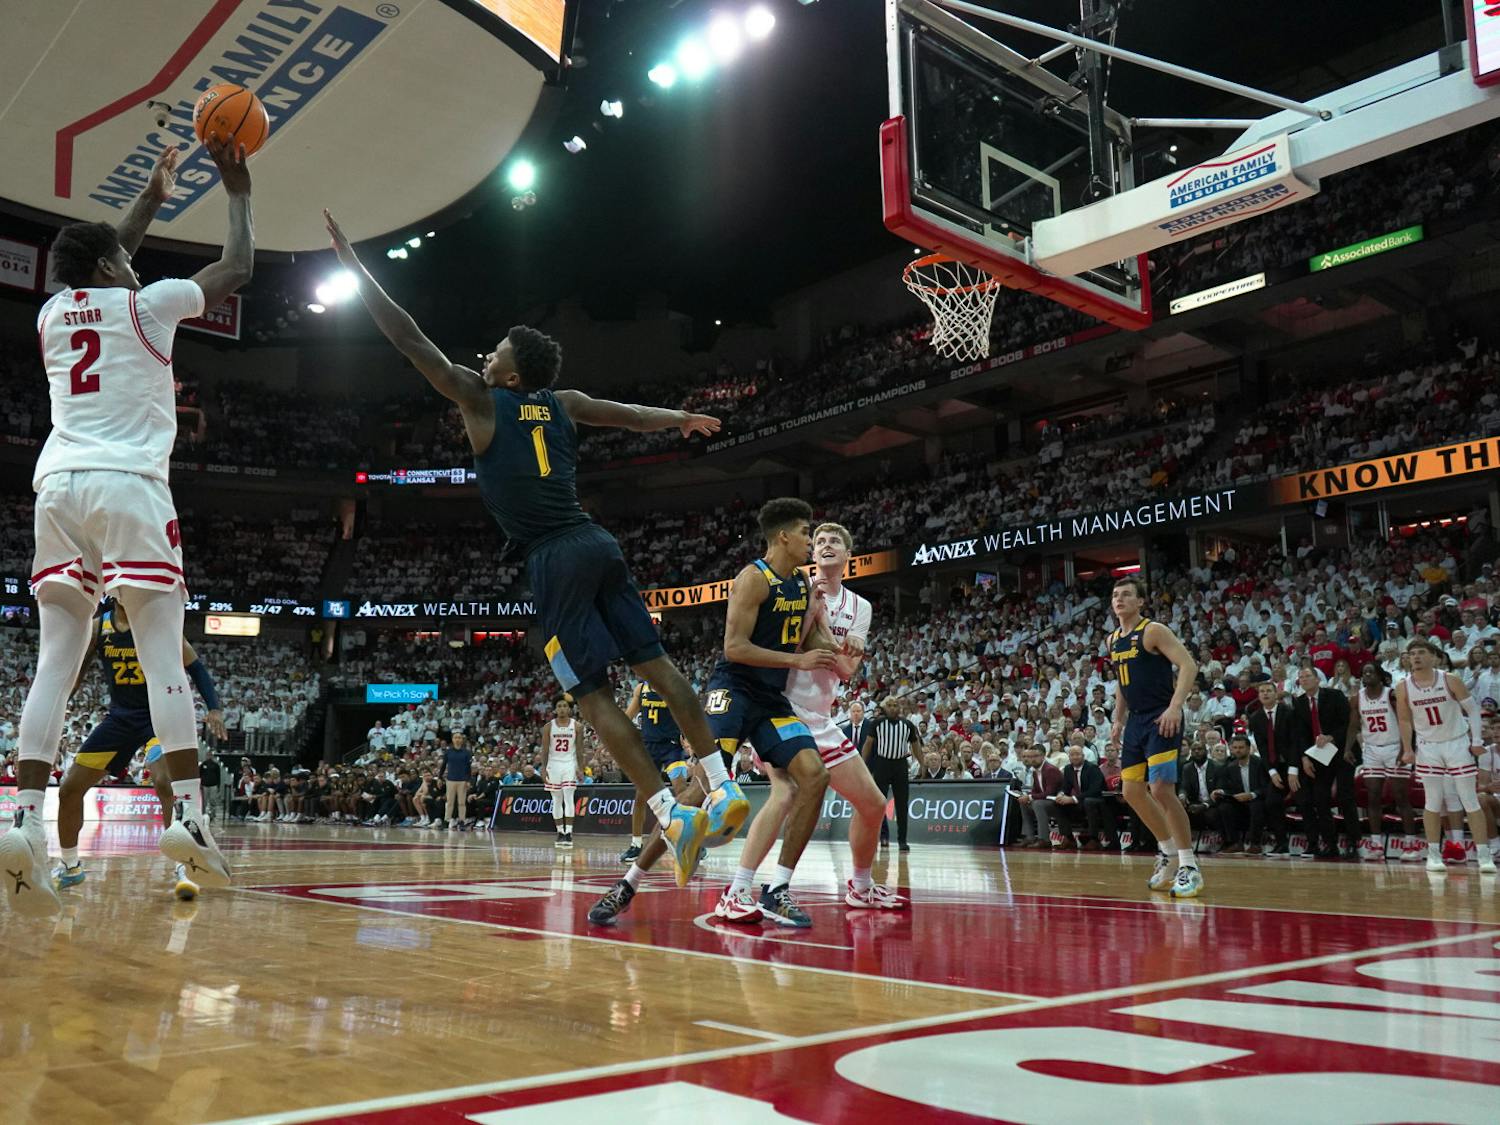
pixel 125 729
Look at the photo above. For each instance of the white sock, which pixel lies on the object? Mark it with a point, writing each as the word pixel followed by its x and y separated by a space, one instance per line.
pixel 1435 851
pixel 862 880
pixel 782 878
pixel 1185 858
pixel 70 856
pixel 743 878
pixel 662 804
pixel 567 830
pixel 713 770
pixel 1165 847
pixel 634 875
pixel 190 792
pixel 32 800
pixel 636 842
pixel 1456 835
pixel 1482 851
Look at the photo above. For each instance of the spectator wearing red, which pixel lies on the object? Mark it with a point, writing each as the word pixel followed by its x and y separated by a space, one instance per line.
pixel 1325 654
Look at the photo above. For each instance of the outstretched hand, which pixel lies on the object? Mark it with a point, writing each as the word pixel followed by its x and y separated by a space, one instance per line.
pixel 230 159
pixel 703 424
pixel 164 174
pixel 341 246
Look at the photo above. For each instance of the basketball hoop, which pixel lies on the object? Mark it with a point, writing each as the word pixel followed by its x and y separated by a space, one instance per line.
pixel 961 299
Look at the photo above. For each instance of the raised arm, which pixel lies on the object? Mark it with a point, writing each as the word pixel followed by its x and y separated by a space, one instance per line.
pixel 451 380
pixel 633 708
pixel 158 190
pixel 236 262
pixel 628 416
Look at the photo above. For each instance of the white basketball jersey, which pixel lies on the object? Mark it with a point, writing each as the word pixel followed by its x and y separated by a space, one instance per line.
pixel 1435 714
pixel 564 743
pixel 1377 720
pixel 108 354
pixel 814 692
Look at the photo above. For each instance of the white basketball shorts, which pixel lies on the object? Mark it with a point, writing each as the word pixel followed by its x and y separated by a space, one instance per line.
pixel 1383 761
pixel 100 529
pixel 560 774
pixel 1445 759
pixel 833 747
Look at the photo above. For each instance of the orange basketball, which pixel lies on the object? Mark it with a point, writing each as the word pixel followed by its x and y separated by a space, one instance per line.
pixel 233 114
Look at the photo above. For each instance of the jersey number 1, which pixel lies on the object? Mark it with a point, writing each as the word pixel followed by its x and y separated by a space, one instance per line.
pixel 539 442
pixel 85 382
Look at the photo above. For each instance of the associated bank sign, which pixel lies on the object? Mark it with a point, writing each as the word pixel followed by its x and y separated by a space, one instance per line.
pixel 400 693
pixel 1366 249
pixel 1080 528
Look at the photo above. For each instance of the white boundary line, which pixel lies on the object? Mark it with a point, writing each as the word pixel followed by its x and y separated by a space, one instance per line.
pixel 702 923
pixel 401 1101
pixel 748 1032
pixel 615 943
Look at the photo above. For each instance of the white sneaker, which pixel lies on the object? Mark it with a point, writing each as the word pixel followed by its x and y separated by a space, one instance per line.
pixel 873 897
pixel 190 843
pixel 1486 863
pixel 185 889
pixel 1412 849
pixel 1162 874
pixel 1372 850
pixel 1435 863
pixel 738 907
pixel 23 867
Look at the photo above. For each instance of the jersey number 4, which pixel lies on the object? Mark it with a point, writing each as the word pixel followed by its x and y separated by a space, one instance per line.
pixel 85 382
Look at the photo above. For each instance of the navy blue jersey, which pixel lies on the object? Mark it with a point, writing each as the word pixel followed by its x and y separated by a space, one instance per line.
pixel 1146 678
pixel 778 626
pixel 527 475
pixel 657 724
pixel 122 668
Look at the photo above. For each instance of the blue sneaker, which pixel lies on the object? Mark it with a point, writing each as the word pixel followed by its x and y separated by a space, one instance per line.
pixel 684 835
pixel 65 876
pixel 777 905
pixel 678 773
pixel 1188 883
pixel 727 811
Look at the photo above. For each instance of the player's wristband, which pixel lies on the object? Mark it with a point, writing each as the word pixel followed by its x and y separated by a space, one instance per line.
pixel 204 683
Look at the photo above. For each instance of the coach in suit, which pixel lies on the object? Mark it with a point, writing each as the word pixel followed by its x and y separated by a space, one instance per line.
pixel 1321 718
pixel 1244 781
pixel 1270 721
pixel 1080 801
pixel 1195 784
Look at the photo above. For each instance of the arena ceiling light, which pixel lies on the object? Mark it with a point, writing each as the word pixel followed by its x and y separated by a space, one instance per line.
pixel 414 242
pixel 612 108
pixel 576 145
pixel 337 288
pixel 724 38
pixel 693 58
pixel 522 175
pixel 664 75
pixel 314 307
pixel 759 21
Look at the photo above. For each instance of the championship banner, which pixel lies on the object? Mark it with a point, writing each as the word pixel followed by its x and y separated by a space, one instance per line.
pixel 113 803
pixel 1394 471
pixel 1071 531
pixel 939 812
pixel 221 320
pixel 706 593
pixel 20 265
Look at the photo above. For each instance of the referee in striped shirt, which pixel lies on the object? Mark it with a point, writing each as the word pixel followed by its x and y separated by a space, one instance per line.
pixel 888 749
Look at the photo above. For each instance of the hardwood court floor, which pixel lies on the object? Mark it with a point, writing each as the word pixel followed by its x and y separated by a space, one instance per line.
pixel 400 975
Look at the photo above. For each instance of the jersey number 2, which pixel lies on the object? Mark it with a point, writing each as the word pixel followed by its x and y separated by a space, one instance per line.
pixel 539 441
pixel 85 382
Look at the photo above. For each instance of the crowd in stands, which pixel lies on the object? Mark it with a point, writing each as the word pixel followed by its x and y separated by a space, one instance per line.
pixel 450 561
pixel 230 553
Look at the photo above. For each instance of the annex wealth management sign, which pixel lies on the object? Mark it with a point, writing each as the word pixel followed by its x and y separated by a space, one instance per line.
pixel 705 593
pixel 1394 471
pixel 1067 531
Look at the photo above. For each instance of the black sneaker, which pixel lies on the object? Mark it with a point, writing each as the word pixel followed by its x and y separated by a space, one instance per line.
pixel 630 854
pixel 778 906
pixel 612 905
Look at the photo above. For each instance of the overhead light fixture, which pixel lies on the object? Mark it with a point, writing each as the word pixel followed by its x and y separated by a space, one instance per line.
pixel 575 146
pixel 718 323
pixel 402 253
pixel 612 108
pixel 414 242
pixel 432 234
pixel 314 307
pixel 664 75
pixel 338 287
pixel 522 175
pixel 394 252
pixel 724 38
pixel 759 21
pixel 693 58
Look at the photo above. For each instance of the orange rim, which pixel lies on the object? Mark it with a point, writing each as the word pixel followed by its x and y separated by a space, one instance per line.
pixel 941 291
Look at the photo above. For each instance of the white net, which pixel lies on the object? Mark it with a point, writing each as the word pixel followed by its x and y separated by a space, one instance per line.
pixel 961 299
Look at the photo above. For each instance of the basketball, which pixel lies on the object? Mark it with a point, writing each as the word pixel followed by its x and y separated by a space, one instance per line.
pixel 231 113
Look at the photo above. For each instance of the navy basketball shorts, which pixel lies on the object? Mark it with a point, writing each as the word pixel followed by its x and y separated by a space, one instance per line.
pixel 588 608
pixel 763 718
